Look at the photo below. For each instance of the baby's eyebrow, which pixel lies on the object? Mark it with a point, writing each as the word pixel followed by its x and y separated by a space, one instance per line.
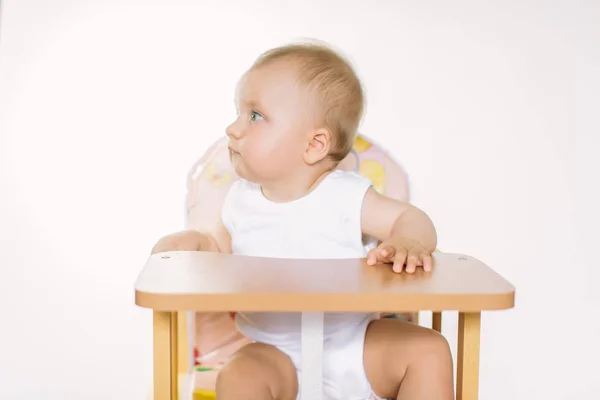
pixel 251 104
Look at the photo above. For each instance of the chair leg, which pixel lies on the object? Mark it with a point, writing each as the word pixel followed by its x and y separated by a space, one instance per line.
pixel 467 374
pixel 436 321
pixel 183 348
pixel 165 355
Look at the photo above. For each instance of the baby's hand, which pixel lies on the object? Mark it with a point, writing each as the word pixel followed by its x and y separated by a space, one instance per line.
pixel 401 252
pixel 190 240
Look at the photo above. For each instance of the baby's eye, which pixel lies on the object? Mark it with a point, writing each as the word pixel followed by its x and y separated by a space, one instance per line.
pixel 255 116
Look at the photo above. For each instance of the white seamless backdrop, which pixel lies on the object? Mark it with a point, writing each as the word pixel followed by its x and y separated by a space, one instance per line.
pixel 492 108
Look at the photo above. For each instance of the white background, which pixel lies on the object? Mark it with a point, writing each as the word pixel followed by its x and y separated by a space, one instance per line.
pixel 492 108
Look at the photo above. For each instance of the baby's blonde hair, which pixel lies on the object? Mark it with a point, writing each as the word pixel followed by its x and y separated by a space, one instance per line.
pixel 330 78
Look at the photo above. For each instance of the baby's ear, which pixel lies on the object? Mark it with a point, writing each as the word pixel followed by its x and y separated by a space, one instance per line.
pixel 318 147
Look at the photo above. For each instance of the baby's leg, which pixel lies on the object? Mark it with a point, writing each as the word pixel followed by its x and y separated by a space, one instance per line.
pixel 258 372
pixel 406 361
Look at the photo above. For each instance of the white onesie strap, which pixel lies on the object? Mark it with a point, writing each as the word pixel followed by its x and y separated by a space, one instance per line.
pixel 312 355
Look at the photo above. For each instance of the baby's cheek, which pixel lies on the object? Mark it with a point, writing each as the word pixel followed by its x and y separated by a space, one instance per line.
pixel 251 165
pixel 268 154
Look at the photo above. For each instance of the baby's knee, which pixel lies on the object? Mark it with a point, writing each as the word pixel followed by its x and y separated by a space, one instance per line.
pixel 258 368
pixel 432 346
pixel 238 370
pixel 249 364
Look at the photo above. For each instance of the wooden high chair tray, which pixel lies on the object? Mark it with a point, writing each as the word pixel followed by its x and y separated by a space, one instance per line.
pixel 203 281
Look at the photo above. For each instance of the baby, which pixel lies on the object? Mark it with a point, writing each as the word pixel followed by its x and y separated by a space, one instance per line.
pixel 298 110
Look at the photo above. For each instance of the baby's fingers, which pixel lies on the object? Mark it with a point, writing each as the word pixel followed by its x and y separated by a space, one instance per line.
pixel 384 254
pixel 413 261
pixel 427 261
pixel 399 260
pixel 372 257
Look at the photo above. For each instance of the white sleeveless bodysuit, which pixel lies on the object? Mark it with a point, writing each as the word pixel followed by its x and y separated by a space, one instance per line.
pixel 326 223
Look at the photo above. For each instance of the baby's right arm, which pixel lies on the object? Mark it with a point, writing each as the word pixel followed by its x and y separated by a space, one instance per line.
pixel 218 241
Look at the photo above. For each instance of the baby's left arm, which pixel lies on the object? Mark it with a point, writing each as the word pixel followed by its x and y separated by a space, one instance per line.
pixel 407 234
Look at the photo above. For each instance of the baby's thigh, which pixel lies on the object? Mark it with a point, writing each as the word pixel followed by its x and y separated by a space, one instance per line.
pixel 392 345
pixel 258 367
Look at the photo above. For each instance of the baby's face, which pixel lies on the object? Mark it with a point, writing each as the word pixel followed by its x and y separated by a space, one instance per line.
pixel 269 136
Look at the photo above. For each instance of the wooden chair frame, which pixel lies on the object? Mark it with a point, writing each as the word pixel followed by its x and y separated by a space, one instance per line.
pixel 176 282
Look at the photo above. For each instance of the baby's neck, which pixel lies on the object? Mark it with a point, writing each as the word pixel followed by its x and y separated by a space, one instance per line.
pixel 295 187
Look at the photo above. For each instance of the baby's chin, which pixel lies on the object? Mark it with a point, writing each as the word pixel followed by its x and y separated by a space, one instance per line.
pixel 258 175
pixel 238 167
pixel 249 176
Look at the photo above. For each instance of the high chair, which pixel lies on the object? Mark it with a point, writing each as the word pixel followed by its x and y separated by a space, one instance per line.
pixel 194 294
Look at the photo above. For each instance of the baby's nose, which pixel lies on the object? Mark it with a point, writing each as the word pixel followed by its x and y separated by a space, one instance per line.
pixel 233 131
